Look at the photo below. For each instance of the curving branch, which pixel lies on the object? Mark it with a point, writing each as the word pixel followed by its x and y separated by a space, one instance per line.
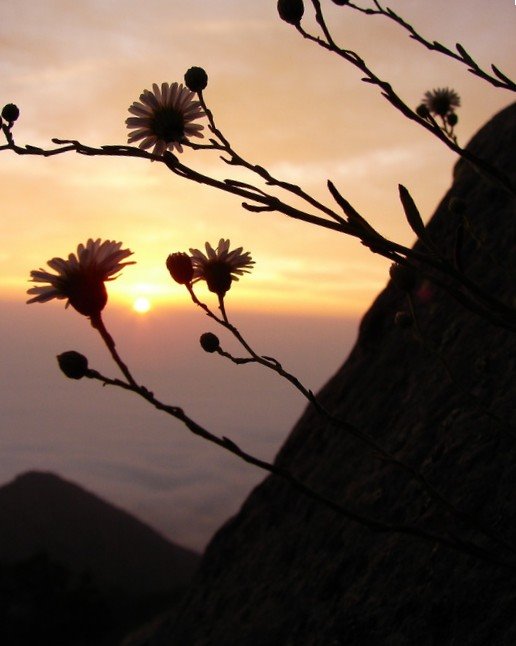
pixel 500 80
pixel 437 269
pixel 493 173
pixel 452 542
pixel 365 438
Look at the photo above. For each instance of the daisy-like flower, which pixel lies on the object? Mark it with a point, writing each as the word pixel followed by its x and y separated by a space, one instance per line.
pixel 163 118
pixel 81 277
pixel 220 267
pixel 441 102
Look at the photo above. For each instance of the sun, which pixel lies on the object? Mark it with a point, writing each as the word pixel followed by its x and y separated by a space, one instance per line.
pixel 141 305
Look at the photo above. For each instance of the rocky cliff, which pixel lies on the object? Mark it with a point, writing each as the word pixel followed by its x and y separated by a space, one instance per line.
pixel 288 572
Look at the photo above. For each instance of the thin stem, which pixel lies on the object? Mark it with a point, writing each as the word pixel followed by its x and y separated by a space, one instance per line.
pixel 463 57
pixel 225 443
pixel 98 324
pixel 494 311
pixel 491 172
pixel 237 160
pixel 222 308
pixel 274 365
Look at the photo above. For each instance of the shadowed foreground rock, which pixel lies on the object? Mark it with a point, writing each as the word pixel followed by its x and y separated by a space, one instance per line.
pixel 285 571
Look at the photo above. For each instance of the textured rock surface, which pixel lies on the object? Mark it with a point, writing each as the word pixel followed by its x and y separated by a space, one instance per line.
pixel 286 571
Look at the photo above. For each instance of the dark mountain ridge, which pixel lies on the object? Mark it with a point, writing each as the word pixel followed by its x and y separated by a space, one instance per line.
pixel 43 513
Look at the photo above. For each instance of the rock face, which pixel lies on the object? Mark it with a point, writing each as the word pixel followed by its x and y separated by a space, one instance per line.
pixel 286 571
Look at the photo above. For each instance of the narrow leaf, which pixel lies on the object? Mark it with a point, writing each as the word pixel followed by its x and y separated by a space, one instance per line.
pixel 465 56
pixel 502 76
pixel 353 216
pixel 413 216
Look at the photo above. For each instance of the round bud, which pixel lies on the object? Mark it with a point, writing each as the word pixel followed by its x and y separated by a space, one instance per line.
pixel 10 112
pixel 196 79
pixel 209 342
pixel 291 11
pixel 180 268
pixel 73 364
pixel 452 119
pixel 403 320
pixel 422 111
pixel 403 277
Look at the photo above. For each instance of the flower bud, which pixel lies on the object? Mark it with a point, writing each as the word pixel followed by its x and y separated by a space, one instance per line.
pixel 422 111
pixel 196 79
pixel 10 112
pixel 291 11
pixel 73 364
pixel 209 342
pixel 403 320
pixel 452 119
pixel 180 268
pixel 403 277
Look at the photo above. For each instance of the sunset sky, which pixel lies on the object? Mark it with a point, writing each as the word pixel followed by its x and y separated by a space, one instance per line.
pixel 74 69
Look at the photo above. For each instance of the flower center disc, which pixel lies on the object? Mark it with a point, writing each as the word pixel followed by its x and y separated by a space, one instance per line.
pixel 218 277
pixel 86 292
pixel 169 125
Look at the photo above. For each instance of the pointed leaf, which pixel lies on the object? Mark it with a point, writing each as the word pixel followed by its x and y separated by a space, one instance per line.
pixel 353 216
pixel 465 56
pixel 413 216
pixel 502 76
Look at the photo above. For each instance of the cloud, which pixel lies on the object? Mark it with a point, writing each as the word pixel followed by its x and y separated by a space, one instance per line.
pixel 367 165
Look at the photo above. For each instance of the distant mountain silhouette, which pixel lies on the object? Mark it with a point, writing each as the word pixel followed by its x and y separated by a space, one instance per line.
pixel 41 513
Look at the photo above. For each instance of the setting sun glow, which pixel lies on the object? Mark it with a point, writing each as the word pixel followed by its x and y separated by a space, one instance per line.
pixel 141 305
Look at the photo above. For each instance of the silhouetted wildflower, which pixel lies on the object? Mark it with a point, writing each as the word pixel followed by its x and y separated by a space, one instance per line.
pixel 442 101
pixel 80 279
pixel 219 267
pixel 163 118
